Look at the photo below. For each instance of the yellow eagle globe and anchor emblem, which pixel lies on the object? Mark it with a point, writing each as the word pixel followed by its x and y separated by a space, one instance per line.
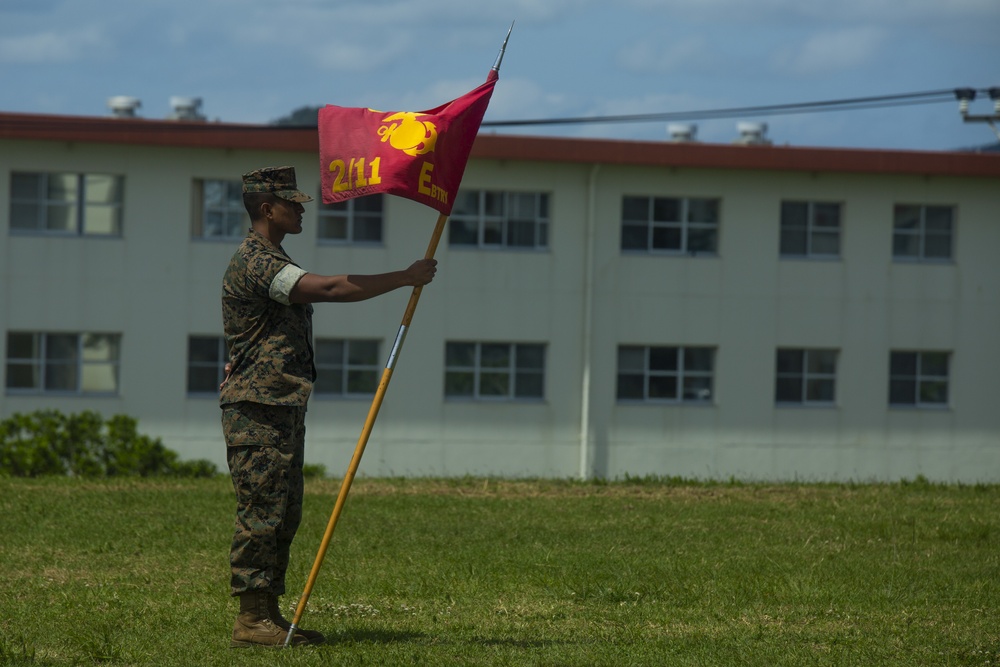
pixel 406 132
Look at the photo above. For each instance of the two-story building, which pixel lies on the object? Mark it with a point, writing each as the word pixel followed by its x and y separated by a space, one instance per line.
pixel 603 308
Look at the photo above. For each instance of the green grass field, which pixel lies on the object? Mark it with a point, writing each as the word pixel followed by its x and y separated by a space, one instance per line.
pixel 493 572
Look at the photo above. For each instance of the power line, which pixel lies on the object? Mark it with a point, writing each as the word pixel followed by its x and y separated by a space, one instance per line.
pixel 849 104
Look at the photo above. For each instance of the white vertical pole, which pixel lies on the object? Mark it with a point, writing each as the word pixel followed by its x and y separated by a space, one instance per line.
pixel 588 322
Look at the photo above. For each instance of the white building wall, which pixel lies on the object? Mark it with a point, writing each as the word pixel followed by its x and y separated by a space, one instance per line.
pixel 156 286
pixel 748 302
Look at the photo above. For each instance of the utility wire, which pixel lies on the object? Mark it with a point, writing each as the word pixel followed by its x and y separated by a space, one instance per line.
pixel 850 104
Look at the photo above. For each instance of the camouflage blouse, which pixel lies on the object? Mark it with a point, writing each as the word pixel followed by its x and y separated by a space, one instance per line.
pixel 270 343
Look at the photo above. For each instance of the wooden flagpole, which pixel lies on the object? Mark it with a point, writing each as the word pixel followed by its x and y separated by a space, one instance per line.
pixel 366 431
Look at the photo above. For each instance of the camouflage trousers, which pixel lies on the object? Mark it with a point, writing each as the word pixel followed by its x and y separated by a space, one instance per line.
pixel 264 447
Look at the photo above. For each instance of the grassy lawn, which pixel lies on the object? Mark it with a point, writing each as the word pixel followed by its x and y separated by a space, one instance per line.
pixel 494 572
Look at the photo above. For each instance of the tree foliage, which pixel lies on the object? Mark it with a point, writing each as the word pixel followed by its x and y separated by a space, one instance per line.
pixel 301 117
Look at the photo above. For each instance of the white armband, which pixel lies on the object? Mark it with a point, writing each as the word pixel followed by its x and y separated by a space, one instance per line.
pixel 281 286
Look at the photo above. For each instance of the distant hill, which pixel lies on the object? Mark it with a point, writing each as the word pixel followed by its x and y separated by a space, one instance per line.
pixel 985 148
pixel 301 117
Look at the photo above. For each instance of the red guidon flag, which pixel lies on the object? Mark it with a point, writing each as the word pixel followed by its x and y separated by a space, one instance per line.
pixel 420 155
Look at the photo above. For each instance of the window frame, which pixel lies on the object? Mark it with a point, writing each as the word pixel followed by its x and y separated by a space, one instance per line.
pixel 234 209
pixel 684 225
pixel 920 379
pixel 78 206
pixel 352 220
pixel 480 373
pixel 346 367
pixel 680 374
pixel 805 376
pixel 922 234
pixel 219 365
pixel 77 364
pixel 483 220
pixel 811 229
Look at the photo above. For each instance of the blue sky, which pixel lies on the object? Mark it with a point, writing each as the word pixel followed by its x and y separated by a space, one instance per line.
pixel 252 61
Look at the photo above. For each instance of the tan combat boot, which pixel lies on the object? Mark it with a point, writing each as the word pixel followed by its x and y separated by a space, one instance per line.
pixel 312 636
pixel 254 626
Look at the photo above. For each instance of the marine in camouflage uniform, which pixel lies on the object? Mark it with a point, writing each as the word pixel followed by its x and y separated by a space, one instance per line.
pixel 267 317
pixel 263 401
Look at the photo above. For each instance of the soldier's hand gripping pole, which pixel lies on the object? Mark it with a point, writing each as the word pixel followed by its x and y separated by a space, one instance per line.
pixel 359 450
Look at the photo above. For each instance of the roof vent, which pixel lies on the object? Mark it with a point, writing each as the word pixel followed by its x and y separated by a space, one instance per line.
pixel 185 108
pixel 752 134
pixel 123 106
pixel 682 132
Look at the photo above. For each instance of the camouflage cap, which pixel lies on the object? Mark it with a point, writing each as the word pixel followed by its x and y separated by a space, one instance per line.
pixel 279 181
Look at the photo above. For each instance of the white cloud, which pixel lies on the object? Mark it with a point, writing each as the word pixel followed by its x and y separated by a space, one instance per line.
pixel 690 53
pixel 843 10
pixel 832 51
pixel 652 103
pixel 29 6
pixel 343 55
pixel 401 12
pixel 903 12
pixel 517 98
pixel 52 47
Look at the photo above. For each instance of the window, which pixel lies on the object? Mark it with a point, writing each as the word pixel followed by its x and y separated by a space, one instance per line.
pixel 488 219
pixel 670 224
pixel 66 204
pixel 922 232
pixel 347 367
pixel 805 377
pixel 667 374
pixel 69 363
pixel 207 357
pixel 918 378
pixel 494 371
pixel 810 229
pixel 219 211
pixel 353 221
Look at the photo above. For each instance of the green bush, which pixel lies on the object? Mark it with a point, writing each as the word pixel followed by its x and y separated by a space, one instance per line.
pixel 314 471
pixel 47 442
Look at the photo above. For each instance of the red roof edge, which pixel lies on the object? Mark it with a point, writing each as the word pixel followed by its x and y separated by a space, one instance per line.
pixel 200 134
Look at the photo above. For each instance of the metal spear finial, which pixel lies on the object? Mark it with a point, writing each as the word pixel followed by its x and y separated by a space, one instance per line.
pixel 496 65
